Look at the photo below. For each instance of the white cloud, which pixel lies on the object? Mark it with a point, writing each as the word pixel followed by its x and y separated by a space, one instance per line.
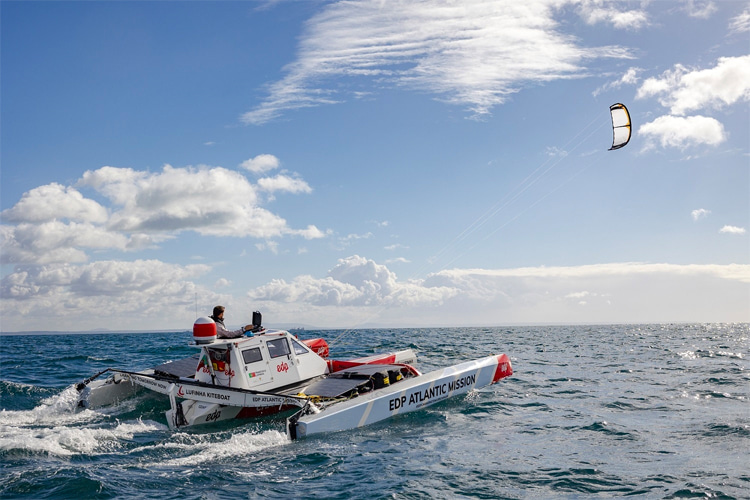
pixel 700 213
pixel 56 241
pixel 354 281
pixel 600 11
pixel 148 294
pixel 702 9
pixel 58 224
pixel 354 237
pixel 684 90
pixel 271 246
pixel 398 260
pixel 359 290
pixel 473 53
pixel 345 241
pixel 284 183
pixel 732 230
pixel 211 201
pixel 222 283
pixel 740 23
pixel 111 294
pixel 682 132
pixel 311 233
pixel 118 184
pixel 630 77
pixel 52 202
pixel 261 164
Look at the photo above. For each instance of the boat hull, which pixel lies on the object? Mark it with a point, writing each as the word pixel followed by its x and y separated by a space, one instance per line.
pixel 107 392
pixel 403 397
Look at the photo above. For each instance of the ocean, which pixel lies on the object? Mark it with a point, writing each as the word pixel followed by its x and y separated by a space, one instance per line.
pixel 644 411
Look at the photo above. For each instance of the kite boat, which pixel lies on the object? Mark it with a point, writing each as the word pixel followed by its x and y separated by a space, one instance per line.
pixel 272 372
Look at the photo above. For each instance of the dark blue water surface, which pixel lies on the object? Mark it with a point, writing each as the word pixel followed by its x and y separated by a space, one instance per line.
pixel 650 411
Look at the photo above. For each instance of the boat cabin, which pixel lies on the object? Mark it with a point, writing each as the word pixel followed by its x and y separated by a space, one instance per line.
pixel 270 360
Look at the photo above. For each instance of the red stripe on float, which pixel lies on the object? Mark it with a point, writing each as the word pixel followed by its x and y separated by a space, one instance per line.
pixel 504 368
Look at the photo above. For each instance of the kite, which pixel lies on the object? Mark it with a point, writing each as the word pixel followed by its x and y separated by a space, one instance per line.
pixel 621 127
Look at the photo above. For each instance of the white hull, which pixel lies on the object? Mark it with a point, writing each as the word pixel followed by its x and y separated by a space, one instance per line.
pixel 195 403
pixel 274 372
pixel 402 397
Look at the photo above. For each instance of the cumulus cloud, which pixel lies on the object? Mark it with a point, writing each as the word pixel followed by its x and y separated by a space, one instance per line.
pixel 54 201
pixel 222 283
pixel 54 223
pixel 354 281
pixel 681 132
pixel 683 90
pixel 261 164
pixel 359 289
pixel 311 233
pixel 600 11
pixel 474 53
pixel 97 294
pixel 56 241
pixel 732 230
pixel 284 183
pixel 152 294
pixel 213 201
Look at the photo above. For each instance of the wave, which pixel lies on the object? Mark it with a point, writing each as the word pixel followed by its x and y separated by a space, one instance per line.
pixel 10 389
pixel 69 439
pixel 206 448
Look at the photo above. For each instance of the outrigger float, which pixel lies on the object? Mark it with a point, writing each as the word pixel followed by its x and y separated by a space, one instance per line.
pixel 273 372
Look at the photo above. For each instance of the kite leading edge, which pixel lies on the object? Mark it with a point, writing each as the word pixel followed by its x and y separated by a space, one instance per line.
pixel 621 127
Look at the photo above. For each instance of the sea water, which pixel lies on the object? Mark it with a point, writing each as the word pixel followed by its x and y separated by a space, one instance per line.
pixel 649 411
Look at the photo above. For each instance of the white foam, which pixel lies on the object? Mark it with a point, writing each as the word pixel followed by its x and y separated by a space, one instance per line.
pixel 57 427
pixel 65 440
pixel 55 410
pixel 205 448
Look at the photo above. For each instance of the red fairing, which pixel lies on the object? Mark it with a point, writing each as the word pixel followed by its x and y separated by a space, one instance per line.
pixel 335 365
pixel 204 331
pixel 318 346
pixel 504 368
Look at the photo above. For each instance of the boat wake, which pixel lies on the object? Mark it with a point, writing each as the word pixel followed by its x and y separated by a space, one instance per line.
pixel 57 427
pixel 217 448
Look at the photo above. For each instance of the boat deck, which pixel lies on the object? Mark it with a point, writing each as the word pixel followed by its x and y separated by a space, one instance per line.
pixel 180 368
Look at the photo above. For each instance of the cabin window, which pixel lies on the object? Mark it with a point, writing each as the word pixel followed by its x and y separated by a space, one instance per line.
pixel 278 347
pixel 252 355
pixel 299 348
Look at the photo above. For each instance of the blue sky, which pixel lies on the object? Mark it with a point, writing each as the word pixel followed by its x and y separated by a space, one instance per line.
pixel 347 164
